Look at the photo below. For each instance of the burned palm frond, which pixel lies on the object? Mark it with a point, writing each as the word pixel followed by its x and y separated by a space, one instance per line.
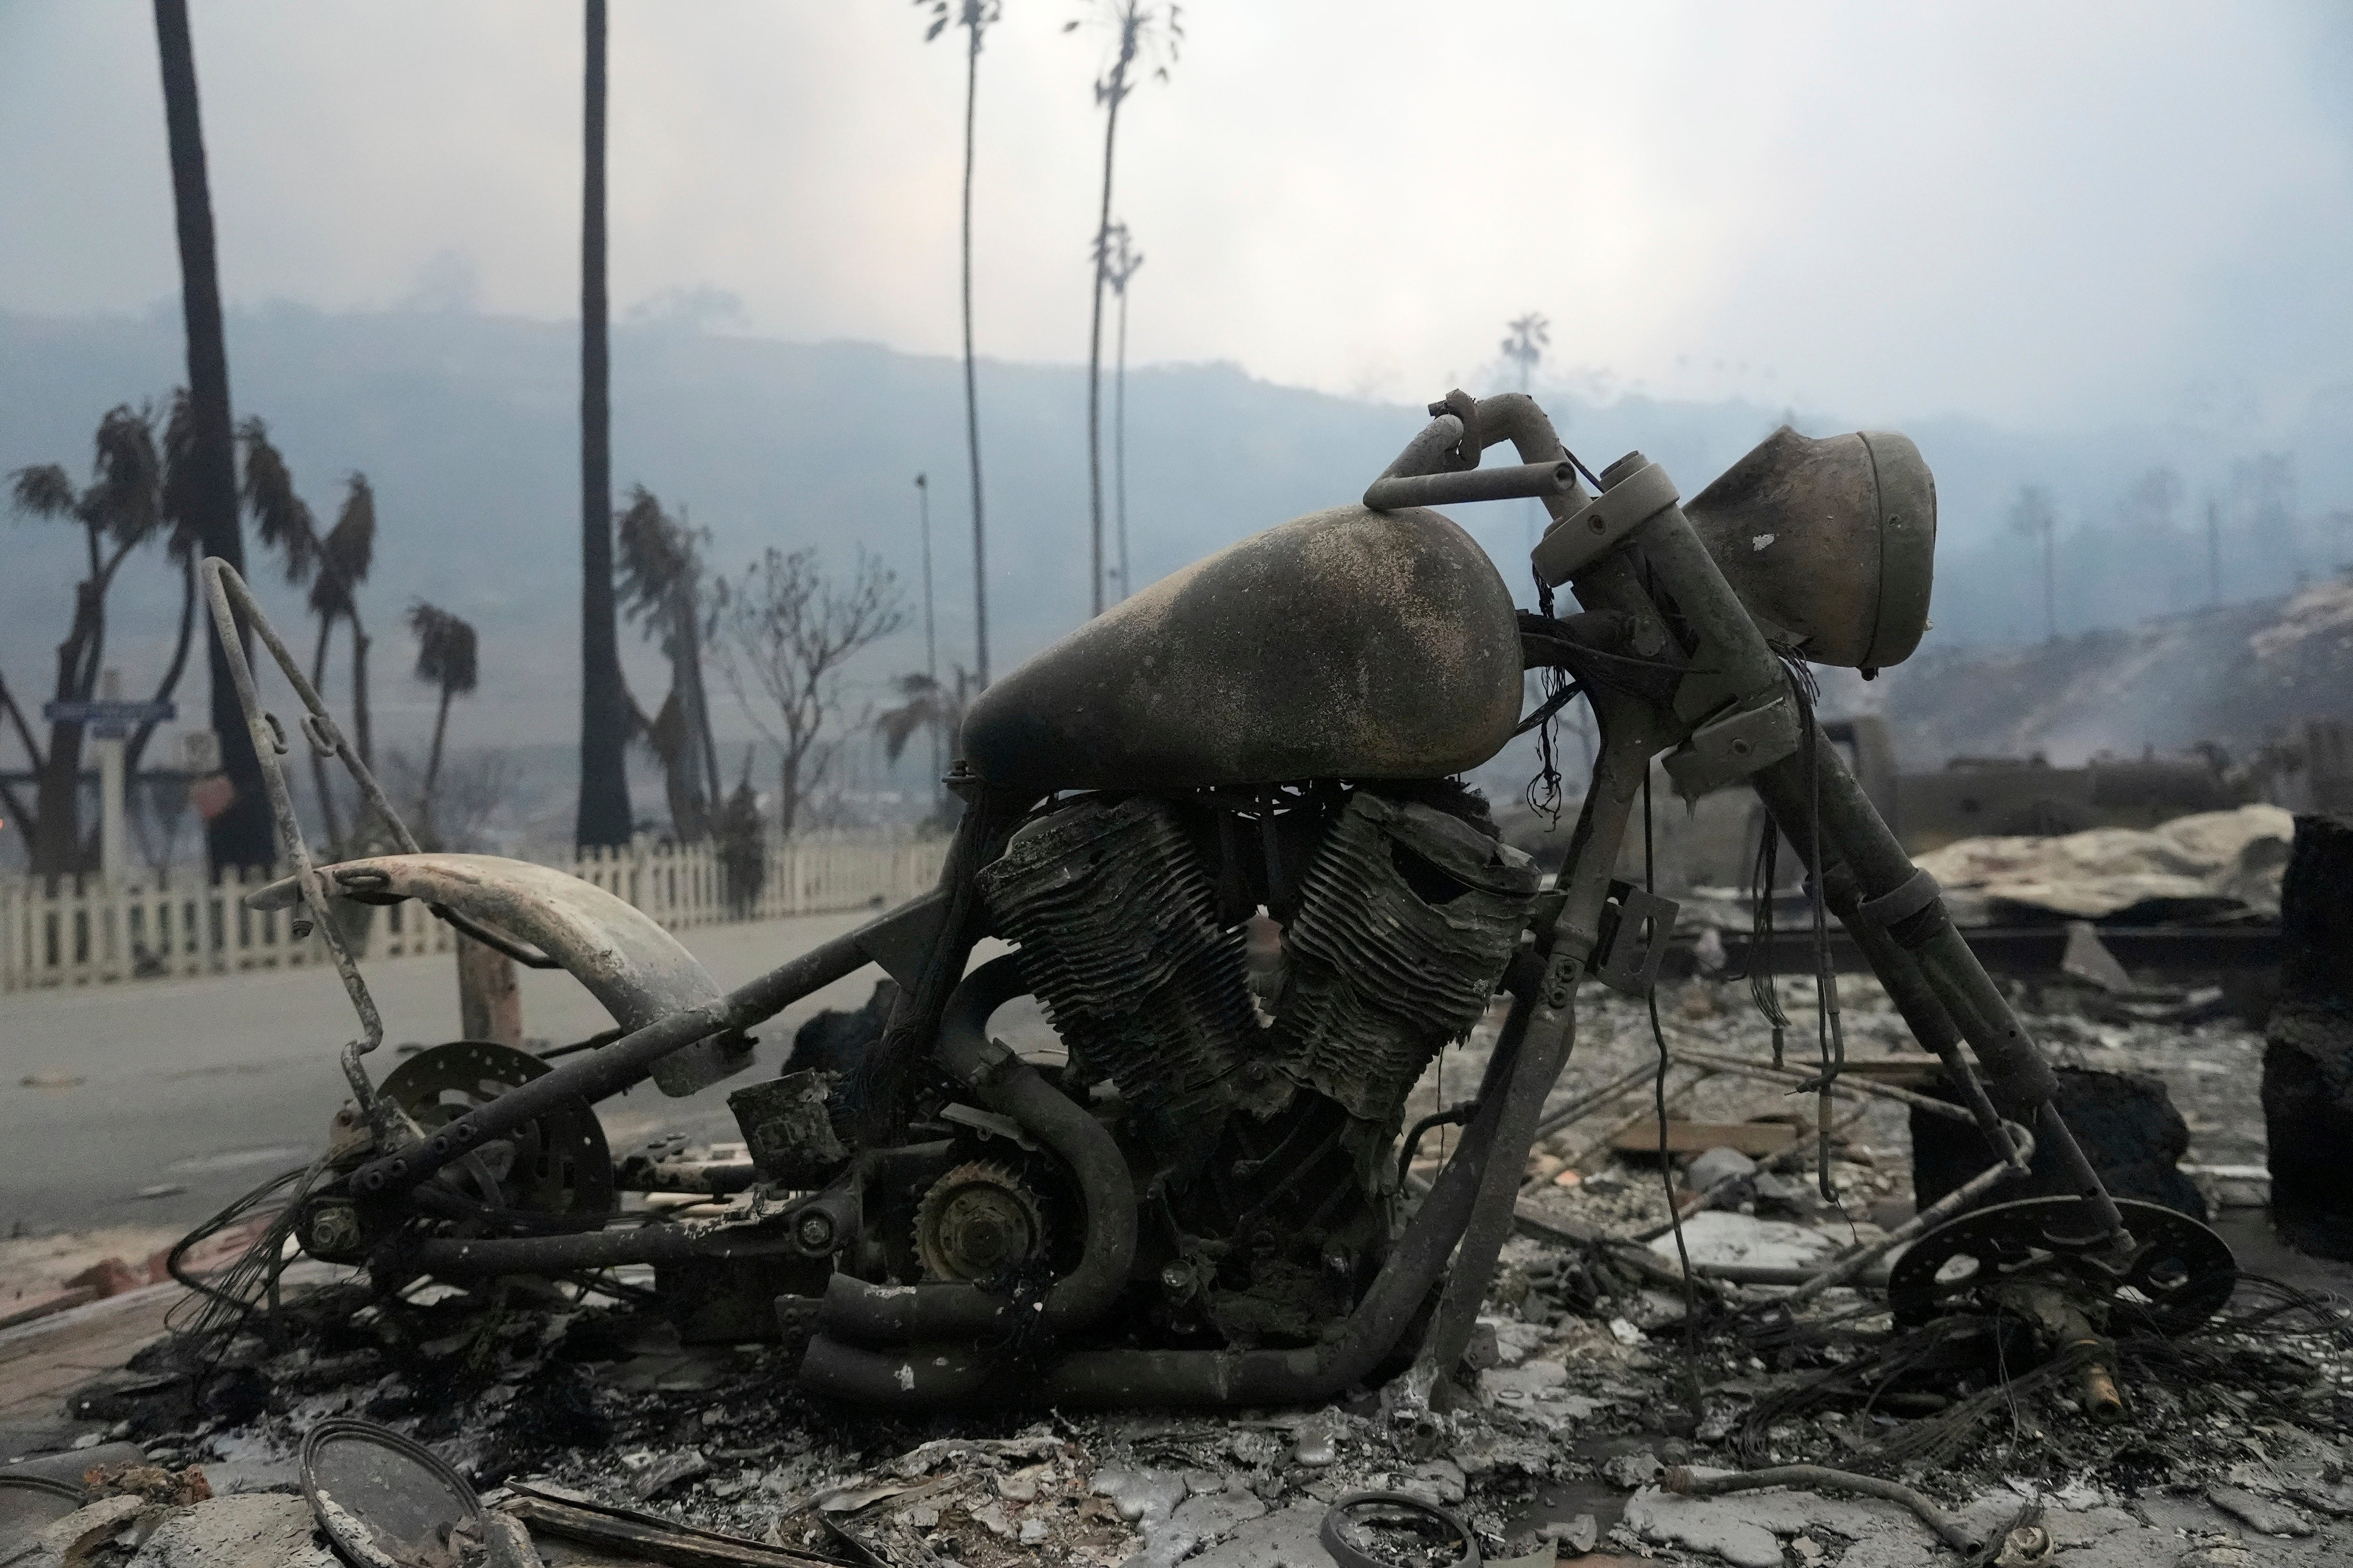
pixel 660 575
pixel 283 519
pixel 347 553
pixel 123 497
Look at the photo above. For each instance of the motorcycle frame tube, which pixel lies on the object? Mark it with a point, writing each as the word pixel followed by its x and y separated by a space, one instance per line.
pixel 930 1376
pixel 1675 559
pixel 458 1258
pixel 878 1089
pixel 1631 734
pixel 883 1314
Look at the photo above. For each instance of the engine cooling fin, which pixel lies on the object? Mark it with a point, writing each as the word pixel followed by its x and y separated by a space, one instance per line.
pixel 1116 919
pixel 1409 916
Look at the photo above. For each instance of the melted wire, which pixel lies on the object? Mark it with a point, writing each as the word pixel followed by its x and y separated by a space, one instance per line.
pixel 1543 792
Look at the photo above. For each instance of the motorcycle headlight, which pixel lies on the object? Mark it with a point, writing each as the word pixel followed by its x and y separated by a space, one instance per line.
pixel 1831 543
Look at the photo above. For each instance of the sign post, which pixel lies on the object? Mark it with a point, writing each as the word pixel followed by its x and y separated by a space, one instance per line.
pixel 110 848
pixel 109 720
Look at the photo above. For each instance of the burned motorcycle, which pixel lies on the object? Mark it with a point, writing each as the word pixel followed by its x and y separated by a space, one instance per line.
pixel 1198 1200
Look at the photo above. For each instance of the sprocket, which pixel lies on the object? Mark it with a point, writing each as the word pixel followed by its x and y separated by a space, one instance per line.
pixel 977 1221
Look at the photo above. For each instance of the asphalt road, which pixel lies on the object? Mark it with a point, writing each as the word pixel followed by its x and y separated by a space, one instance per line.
pixel 193 1091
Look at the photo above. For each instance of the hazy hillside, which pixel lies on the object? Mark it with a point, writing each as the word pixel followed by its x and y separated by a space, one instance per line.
pixel 2238 676
pixel 467 425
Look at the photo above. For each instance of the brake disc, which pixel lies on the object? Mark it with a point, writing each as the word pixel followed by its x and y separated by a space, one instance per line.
pixel 555 1164
pixel 2177 1275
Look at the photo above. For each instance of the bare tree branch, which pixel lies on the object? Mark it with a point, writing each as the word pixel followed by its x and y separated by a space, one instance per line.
pixel 785 631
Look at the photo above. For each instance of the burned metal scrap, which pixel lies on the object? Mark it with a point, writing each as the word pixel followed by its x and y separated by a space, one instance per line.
pixel 1197 1203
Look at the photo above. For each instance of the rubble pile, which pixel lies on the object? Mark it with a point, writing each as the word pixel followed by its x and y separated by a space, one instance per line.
pixel 2212 864
pixel 1602 1393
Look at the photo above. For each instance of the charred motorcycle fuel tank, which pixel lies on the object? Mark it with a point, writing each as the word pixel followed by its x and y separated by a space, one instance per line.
pixel 1346 643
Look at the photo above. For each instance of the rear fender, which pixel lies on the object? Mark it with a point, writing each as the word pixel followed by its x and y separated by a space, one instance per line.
pixel 629 963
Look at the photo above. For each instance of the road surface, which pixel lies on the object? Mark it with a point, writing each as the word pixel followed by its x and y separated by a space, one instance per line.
pixel 192 1091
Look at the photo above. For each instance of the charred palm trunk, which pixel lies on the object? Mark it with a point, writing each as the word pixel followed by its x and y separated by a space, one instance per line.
pixel 433 769
pixel 1095 352
pixel 240 834
pixel 971 386
pixel 604 815
pixel 699 757
pixel 364 731
pixel 137 750
pixel 58 847
pixel 1119 441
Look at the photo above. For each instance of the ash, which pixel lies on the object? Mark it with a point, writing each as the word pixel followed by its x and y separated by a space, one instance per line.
pixel 1589 1377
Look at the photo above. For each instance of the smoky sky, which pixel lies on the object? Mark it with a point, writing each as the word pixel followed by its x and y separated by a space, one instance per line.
pixel 2063 216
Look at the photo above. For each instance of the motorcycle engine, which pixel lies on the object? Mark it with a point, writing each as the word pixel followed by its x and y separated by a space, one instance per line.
pixel 1261 1141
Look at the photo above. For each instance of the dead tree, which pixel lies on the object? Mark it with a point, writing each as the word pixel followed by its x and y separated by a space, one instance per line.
pixel 782 633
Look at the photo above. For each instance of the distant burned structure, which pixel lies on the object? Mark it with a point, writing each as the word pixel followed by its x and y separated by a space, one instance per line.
pixel 1715 843
pixel 1972 797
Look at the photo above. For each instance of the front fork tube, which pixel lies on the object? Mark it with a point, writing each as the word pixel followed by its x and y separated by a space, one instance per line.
pixel 1929 971
pixel 1631 734
pixel 1944 993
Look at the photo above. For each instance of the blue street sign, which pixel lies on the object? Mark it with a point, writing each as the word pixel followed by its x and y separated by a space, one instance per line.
pixel 109 720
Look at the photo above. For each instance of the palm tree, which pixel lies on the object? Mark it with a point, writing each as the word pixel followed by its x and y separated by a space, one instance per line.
pixel 1142 28
pixel 1125 259
pixel 923 524
pixel 975 17
pixel 345 557
pixel 183 548
pixel 661 585
pixel 1525 343
pixel 333 564
pixel 929 704
pixel 605 710
pixel 121 511
pixel 446 657
pixel 241 834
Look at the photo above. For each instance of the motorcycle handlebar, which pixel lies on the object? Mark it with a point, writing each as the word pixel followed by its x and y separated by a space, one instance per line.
pixel 1440 464
pixel 1391 492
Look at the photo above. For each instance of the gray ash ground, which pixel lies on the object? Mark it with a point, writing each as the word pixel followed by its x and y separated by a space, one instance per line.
pixel 1589 1385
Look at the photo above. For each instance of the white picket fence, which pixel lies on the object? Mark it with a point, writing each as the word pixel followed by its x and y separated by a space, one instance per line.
pixel 81 934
